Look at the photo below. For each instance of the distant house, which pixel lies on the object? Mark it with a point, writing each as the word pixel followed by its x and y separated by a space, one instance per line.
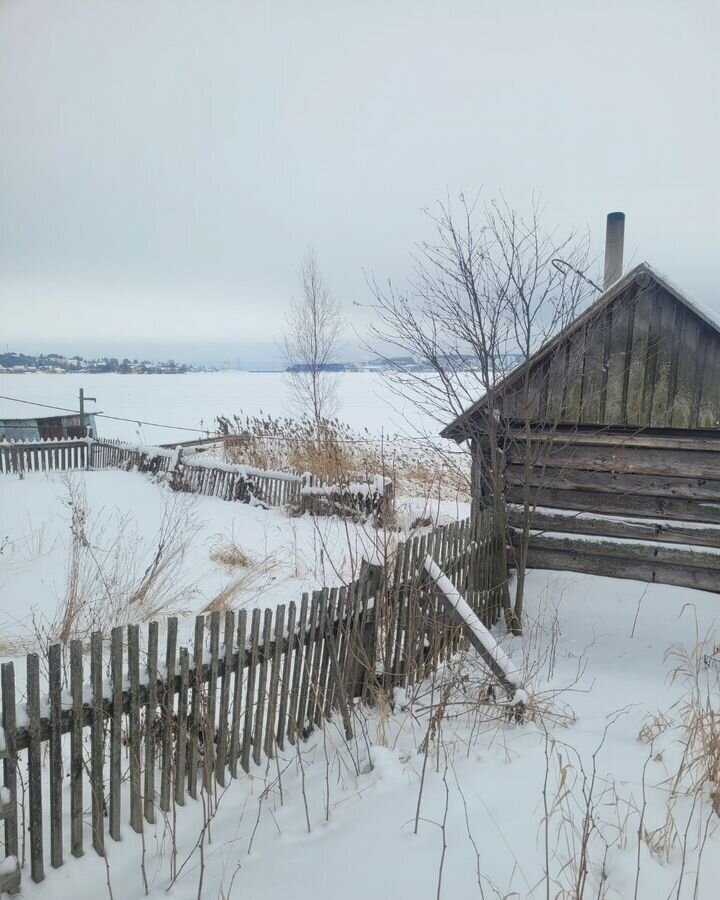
pixel 47 427
pixel 624 405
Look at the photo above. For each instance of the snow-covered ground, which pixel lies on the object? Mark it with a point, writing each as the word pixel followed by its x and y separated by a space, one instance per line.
pixel 193 401
pixel 499 805
pixel 45 519
pixel 613 755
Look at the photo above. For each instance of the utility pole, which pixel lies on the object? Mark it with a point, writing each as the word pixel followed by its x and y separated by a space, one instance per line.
pixel 83 398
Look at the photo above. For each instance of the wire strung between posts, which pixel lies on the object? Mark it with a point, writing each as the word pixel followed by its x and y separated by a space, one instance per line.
pixel 206 431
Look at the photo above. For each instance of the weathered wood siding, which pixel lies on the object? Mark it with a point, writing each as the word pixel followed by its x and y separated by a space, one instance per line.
pixel 645 359
pixel 643 505
pixel 660 474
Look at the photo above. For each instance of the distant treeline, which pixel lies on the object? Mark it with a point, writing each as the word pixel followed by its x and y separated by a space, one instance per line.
pixel 56 362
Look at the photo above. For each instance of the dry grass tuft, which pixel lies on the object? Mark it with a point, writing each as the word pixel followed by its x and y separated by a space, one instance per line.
pixel 229 554
pixel 251 583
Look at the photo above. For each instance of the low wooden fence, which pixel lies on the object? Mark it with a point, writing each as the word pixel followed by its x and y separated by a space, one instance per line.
pixel 199 475
pixel 119 455
pixel 251 683
pixel 235 482
pixel 60 455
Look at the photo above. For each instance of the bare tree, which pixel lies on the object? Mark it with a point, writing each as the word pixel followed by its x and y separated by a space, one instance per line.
pixel 312 335
pixel 485 296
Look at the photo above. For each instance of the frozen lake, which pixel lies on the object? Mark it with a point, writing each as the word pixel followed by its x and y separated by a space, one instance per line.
pixel 193 401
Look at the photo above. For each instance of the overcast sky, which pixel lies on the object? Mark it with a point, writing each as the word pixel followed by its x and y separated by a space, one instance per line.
pixel 164 164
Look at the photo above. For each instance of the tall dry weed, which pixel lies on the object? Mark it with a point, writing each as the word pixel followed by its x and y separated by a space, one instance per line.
pixel 335 453
pixel 112 577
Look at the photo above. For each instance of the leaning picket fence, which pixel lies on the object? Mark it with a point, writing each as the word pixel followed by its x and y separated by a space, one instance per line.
pixel 164 728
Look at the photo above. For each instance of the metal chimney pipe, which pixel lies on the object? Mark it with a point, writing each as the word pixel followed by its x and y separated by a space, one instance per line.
pixel 614 242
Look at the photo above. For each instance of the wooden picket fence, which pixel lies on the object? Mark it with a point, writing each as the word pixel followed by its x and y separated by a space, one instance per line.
pixel 59 455
pixel 119 455
pixel 198 475
pixel 235 482
pixel 251 683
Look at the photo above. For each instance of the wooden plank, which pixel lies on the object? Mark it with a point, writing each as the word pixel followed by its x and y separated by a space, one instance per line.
pixel 10 759
pixel 709 404
pixel 322 708
pixel 196 707
pixel 339 695
pixel 168 714
pixel 618 361
pixel 286 677
pixel 299 642
pixel 134 733
pixel 306 685
pixel 151 722
pixel 649 374
pixel 667 531
pixel 182 719
pixel 401 601
pixel 211 706
pixel 237 693
pixel 76 749
pixel 698 489
pixel 37 868
pixel 607 436
pixel 97 745
pixel 315 691
pixel 664 354
pixel 638 359
pixel 704 348
pixel 604 323
pixel 656 554
pixel 262 686
pixel 116 713
pixel 622 504
pixel 250 693
pixel 618 567
pixel 274 687
pixel 638 460
pixel 390 622
pixel 556 385
pixel 222 732
pixel 474 639
pixel 56 760
pixel 680 413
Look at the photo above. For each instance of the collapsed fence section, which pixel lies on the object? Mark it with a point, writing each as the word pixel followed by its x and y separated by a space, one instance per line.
pixel 152 729
pixel 353 499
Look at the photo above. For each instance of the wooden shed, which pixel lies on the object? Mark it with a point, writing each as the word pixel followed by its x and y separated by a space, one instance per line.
pixel 624 406
pixel 47 428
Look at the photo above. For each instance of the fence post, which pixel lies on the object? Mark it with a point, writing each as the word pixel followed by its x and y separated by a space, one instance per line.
pixel 10 881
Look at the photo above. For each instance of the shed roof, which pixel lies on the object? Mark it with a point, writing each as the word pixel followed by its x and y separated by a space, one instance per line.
pixel 640 274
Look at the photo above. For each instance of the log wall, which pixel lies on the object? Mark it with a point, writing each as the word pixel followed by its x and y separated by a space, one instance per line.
pixel 642 505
